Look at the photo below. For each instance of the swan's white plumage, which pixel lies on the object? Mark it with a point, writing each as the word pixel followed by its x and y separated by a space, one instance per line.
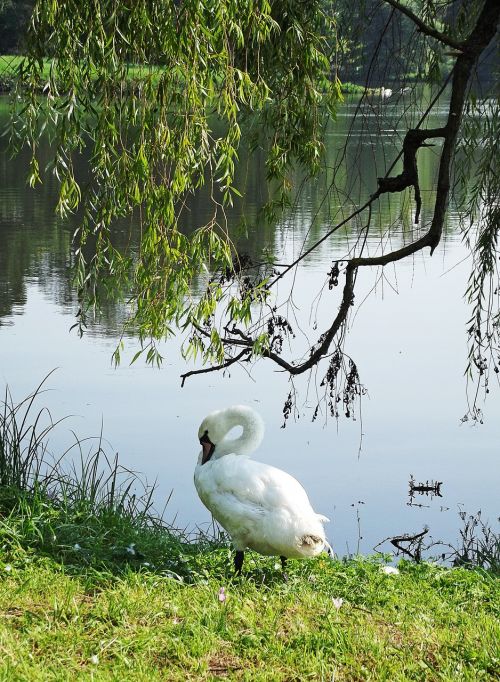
pixel 261 507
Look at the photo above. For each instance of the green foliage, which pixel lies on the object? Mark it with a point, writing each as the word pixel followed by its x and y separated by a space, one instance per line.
pixel 479 185
pixel 157 94
pixel 159 97
pixel 478 546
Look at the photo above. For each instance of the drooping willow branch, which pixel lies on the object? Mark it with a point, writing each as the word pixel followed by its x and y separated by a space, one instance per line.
pixel 479 38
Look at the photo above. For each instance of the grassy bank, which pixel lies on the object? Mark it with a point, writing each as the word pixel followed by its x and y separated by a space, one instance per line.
pixel 331 621
pixel 94 585
pixel 10 63
pixel 8 67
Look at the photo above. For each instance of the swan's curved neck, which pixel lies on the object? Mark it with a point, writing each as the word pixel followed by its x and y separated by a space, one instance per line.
pixel 250 438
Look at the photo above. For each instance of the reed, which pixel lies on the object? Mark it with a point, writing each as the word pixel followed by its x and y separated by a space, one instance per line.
pixel 83 506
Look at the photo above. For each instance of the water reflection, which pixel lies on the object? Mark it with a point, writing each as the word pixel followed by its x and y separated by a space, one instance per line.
pixel 35 244
pixel 428 489
pixel 408 339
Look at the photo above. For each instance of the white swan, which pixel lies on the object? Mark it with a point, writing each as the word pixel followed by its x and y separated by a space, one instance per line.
pixel 261 507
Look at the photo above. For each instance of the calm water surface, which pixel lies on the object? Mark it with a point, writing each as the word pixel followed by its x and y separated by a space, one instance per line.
pixel 408 338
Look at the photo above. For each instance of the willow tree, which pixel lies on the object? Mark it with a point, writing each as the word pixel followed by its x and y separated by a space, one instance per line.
pixel 156 95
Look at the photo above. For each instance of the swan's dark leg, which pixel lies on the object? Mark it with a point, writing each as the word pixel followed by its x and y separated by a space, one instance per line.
pixel 238 561
pixel 283 566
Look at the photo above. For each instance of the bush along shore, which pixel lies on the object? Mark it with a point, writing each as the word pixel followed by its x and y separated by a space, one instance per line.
pixel 95 585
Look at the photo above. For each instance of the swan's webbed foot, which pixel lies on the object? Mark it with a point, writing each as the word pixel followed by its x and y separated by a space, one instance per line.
pixel 283 565
pixel 238 561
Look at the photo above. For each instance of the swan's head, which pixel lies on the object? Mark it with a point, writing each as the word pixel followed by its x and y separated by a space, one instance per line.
pixel 215 427
pixel 211 432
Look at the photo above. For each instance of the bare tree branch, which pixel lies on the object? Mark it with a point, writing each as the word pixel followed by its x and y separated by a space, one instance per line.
pixel 313 247
pixel 423 27
pixel 304 254
pixel 215 368
pixel 414 139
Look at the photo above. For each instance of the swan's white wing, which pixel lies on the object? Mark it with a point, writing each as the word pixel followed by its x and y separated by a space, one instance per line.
pixel 260 506
pixel 259 484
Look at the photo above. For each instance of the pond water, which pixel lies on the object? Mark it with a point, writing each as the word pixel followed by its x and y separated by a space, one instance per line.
pixel 407 337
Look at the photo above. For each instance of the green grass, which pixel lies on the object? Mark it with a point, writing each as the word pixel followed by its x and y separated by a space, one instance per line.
pixel 8 67
pixel 94 585
pixel 10 63
pixel 62 622
pixel 355 89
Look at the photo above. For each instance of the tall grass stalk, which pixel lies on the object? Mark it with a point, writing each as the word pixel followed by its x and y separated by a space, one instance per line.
pixel 23 443
pixel 89 479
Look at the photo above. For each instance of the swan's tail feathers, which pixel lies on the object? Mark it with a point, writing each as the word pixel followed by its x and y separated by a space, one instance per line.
pixel 311 540
pixel 310 545
pixel 323 519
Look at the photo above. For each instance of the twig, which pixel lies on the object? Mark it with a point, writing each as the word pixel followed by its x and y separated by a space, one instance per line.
pixel 215 368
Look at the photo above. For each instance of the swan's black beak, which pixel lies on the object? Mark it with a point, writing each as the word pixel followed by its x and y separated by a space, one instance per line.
pixel 207 446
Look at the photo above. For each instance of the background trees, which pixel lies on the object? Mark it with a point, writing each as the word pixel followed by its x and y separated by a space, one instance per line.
pixel 14 18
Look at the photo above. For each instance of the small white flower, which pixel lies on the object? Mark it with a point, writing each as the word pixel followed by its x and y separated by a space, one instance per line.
pixel 390 570
pixel 94 659
pixel 76 547
pixel 337 602
pixel 222 595
pixel 146 563
pixel 131 549
pixel 7 568
pixel 277 566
